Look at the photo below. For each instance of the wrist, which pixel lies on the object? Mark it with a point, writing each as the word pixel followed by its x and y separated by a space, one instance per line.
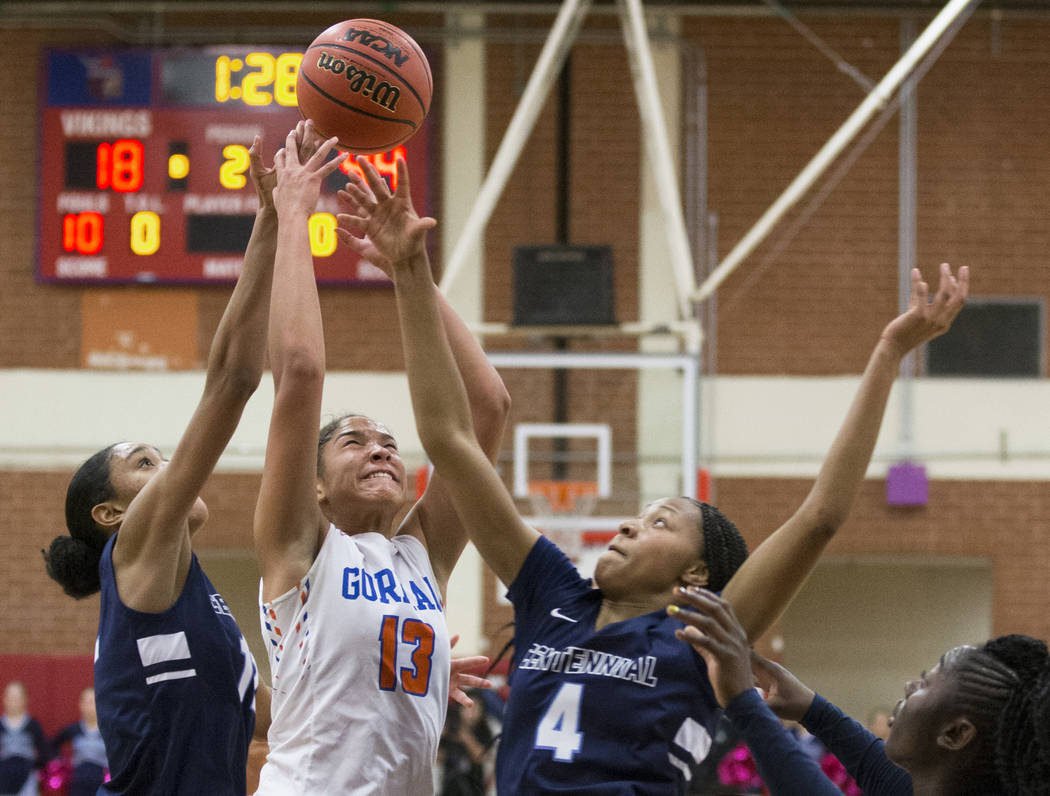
pixel 291 213
pixel 416 263
pixel 892 348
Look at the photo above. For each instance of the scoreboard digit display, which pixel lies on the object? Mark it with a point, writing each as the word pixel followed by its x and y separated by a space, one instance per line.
pixel 144 165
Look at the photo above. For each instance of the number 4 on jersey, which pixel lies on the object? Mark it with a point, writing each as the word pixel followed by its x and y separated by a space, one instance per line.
pixel 559 727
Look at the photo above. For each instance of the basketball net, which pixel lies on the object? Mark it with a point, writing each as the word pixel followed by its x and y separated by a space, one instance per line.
pixel 558 505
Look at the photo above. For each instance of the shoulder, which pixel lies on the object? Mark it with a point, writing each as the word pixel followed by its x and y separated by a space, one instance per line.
pixel 409 544
pixel 547 564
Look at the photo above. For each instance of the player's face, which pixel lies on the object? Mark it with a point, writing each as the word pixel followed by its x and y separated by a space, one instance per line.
pixel 653 552
pixel 132 465
pixel 921 714
pixel 361 461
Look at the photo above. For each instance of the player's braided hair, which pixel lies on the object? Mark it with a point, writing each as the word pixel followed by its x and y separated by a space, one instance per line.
pixel 1004 688
pixel 1023 742
pixel 72 560
pixel 724 548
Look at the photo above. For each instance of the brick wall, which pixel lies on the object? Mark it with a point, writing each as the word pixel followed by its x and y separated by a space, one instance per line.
pixel 773 101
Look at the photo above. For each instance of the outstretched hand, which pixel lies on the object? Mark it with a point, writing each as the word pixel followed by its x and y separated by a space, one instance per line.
pixel 713 631
pixel 301 168
pixel 264 178
pixel 786 695
pixel 380 225
pixel 461 679
pixel 926 319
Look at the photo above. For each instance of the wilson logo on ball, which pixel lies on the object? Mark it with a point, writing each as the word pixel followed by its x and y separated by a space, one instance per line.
pixel 377 43
pixel 361 82
pixel 366 82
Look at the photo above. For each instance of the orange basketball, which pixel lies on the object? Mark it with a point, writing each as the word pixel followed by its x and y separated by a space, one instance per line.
pixel 367 82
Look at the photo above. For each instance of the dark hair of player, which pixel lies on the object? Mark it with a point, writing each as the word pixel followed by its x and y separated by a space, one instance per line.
pixel 1004 688
pixel 72 560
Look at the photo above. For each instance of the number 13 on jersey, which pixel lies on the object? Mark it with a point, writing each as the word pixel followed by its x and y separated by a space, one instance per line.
pixel 415 678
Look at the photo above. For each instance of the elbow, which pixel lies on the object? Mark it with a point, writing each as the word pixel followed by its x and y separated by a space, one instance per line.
pixel 490 415
pixel 825 521
pixel 243 382
pixel 235 379
pixel 299 366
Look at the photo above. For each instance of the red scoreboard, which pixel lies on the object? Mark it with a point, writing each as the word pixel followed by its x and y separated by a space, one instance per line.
pixel 144 165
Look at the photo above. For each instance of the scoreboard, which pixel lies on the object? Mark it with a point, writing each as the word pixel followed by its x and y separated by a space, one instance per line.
pixel 144 165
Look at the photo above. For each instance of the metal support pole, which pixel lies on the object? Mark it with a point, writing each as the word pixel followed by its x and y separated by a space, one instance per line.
pixel 658 149
pixel 878 97
pixel 543 76
pixel 906 240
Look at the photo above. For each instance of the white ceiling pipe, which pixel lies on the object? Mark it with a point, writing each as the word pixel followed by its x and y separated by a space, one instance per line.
pixel 878 97
pixel 658 151
pixel 542 78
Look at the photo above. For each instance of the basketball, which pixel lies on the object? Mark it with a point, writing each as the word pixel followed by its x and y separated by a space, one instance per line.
pixel 366 82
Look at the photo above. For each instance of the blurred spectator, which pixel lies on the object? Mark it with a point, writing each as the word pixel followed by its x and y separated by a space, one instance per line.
pixel 23 748
pixel 89 766
pixel 466 747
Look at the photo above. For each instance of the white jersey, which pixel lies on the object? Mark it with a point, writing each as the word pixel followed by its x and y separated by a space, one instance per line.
pixel 359 654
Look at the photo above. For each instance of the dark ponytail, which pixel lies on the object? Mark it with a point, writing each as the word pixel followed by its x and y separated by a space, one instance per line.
pixel 724 548
pixel 72 560
pixel 1023 743
pixel 1004 689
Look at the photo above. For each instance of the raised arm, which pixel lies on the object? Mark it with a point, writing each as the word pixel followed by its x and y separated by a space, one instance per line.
pixel 434 519
pixel 288 523
pixel 386 222
pixel 765 584
pixel 152 554
pixel 435 515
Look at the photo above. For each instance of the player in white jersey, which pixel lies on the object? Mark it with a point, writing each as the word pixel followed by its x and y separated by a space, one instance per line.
pixel 351 598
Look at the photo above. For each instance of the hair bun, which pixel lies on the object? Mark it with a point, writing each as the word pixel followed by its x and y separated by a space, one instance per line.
pixel 73 564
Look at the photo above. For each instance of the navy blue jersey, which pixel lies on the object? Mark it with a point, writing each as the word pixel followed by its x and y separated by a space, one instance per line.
pixel 175 692
pixel 627 709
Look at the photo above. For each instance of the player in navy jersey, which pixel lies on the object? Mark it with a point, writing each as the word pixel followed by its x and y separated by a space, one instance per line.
pixel 603 699
pixel 175 683
pixel 976 724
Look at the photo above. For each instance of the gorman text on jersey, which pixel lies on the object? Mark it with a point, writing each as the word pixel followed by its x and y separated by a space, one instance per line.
pixel 580 660
pixel 383 587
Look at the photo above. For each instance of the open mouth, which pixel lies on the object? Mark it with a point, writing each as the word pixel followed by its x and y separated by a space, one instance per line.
pixel 380 474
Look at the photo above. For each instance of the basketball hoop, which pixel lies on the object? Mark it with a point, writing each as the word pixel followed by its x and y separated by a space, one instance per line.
pixel 558 505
